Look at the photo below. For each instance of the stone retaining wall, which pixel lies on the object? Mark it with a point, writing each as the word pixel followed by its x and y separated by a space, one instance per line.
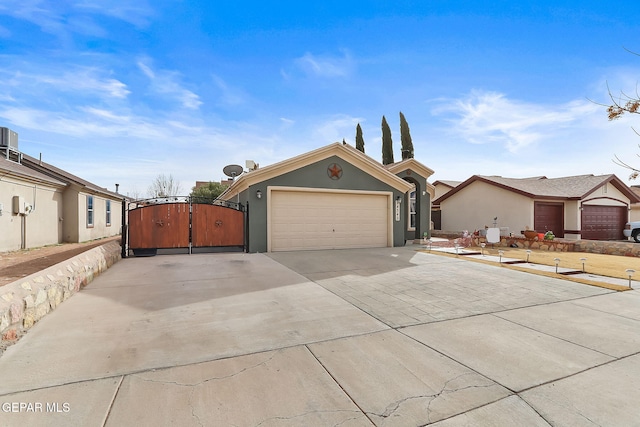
pixel 26 301
pixel 610 248
pixel 560 245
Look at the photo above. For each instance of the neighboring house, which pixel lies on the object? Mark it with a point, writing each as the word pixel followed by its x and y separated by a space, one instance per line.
pixel 43 205
pixel 575 207
pixel 635 209
pixel 30 207
pixel 440 189
pixel 333 197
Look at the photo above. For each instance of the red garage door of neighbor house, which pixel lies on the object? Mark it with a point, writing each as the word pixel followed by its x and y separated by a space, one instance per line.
pixel 603 222
pixel 549 217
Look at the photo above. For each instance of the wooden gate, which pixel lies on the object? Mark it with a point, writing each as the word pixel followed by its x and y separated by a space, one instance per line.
pixel 183 224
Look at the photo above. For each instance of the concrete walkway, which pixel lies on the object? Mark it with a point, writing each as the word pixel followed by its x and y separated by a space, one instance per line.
pixel 357 337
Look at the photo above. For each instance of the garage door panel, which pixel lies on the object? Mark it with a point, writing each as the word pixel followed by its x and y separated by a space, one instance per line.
pixel 328 220
pixel 603 222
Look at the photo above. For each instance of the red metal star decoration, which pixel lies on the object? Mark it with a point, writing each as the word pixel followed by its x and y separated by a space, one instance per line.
pixel 334 171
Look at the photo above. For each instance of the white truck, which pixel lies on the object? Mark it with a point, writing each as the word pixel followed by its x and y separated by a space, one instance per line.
pixel 632 229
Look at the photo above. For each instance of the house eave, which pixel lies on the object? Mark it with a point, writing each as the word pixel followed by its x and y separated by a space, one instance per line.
pixel 345 152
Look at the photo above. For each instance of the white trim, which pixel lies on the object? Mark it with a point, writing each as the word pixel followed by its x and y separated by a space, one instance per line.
pixel 345 152
pixel 388 194
pixel 412 164
pixel 415 200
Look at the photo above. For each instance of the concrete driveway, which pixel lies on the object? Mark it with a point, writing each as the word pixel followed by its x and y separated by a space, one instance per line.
pixel 354 337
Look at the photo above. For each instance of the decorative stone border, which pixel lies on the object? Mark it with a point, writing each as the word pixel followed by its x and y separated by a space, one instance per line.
pixel 559 245
pixel 26 301
pixel 631 249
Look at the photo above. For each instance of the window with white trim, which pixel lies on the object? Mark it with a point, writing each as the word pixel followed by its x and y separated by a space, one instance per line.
pixel 89 211
pixel 412 210
pixel 108 212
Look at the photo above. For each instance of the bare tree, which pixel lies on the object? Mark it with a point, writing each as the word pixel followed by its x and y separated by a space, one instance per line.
pixel 164 186
pixel 621 105
pixel 134 193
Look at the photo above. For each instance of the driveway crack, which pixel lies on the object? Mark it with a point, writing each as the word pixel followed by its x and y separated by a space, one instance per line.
pixel 393 407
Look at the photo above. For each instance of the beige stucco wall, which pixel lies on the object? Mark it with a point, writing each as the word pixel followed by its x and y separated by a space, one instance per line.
pixel 41 227
pixel 440 189
pixel 607 195
pixel 572 218
pixel 70 216
pixel 476 205
pixel 100 228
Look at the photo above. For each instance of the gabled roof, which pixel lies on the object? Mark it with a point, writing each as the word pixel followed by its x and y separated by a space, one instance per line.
pixel 412 164
pixel 344 151
pixel 23 172
pixel 450 184
pixel 64 176
pixel 636 189
pixel 565 188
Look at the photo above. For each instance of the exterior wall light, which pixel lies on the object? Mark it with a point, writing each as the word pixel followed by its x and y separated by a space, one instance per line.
pixel 399 199
pixel 259 194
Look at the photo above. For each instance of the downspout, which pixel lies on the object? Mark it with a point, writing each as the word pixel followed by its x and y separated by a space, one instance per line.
pixel 23 223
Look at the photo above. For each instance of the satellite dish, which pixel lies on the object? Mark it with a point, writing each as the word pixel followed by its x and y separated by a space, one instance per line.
pixel 232 170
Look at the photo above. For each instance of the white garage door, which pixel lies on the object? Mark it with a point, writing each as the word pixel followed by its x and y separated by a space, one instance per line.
pixel 320 220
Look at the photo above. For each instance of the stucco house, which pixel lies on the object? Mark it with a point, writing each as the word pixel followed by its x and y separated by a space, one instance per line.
pixel 441 188
pixel 574 207
pixel 331 198
pixel 41 204
pixel 635 209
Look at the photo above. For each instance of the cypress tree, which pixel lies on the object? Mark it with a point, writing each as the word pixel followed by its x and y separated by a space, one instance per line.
pixel 387 143
pixel 405 138
pixel 359 138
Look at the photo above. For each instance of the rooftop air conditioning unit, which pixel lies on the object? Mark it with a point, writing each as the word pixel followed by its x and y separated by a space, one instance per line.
pixel 8 138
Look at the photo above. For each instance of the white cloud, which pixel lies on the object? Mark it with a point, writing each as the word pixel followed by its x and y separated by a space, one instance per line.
pixel 335 129
pixel 167 83
pixel 490 117
pixel 136 12
pixel 62 17
pixel 326 65
pixel 79 80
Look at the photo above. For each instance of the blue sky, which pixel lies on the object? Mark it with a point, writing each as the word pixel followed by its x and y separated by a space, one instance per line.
pixel 121 91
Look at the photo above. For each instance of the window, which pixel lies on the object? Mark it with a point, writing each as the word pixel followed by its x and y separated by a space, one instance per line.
pixel 108 213
pixel 89 211
pixel 412 210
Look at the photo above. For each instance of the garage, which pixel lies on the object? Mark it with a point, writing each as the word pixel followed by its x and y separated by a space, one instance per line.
pixel 334 197
pixel 603 222
pixel 316 219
